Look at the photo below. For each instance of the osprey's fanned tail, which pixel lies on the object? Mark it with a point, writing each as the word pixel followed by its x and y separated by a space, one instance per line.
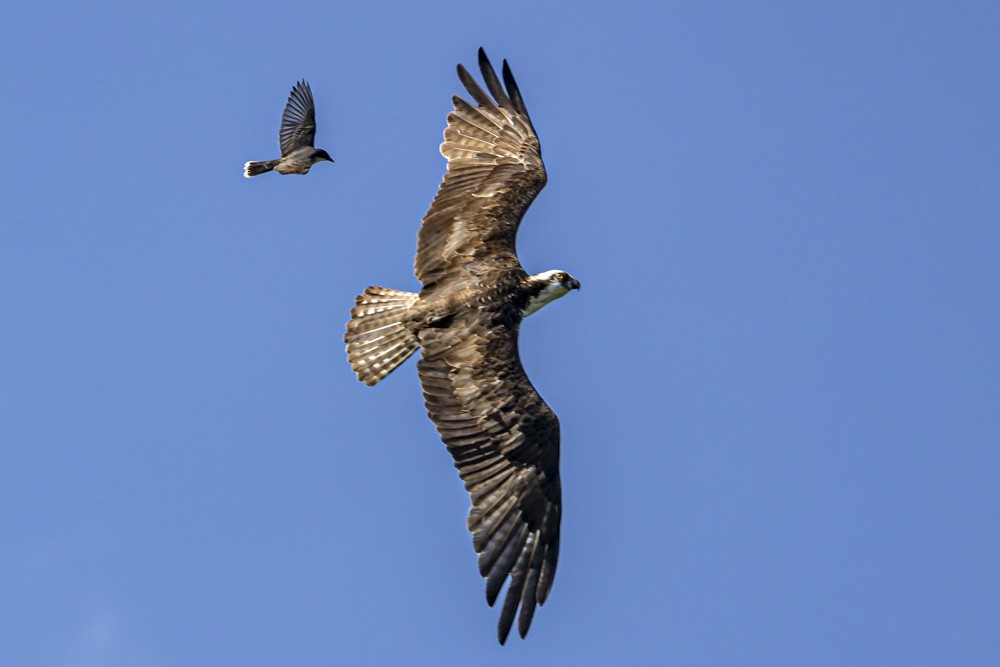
pixel 377 338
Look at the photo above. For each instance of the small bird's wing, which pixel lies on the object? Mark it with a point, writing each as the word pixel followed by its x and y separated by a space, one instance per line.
pixel 495 170
pixel 505 442
pixel 298 123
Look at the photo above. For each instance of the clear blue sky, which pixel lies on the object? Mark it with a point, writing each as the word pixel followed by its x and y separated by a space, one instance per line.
pixel 779 387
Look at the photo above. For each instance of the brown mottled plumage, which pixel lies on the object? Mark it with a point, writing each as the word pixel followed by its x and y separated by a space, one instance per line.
pixel 466 318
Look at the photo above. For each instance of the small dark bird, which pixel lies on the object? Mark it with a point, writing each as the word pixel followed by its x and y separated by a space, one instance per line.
pixel 298 131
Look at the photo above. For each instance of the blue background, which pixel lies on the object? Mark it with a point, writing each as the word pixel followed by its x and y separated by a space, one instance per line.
pixel 778 387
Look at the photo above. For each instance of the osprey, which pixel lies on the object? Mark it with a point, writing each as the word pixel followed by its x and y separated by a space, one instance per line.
pixel 296 137
pixel 465 320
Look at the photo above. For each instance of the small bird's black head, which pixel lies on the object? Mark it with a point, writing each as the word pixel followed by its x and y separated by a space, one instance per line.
pixel 321 156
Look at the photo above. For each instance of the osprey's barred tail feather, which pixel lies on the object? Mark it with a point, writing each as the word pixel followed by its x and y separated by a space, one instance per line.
pixel 377 339
pixel 253 168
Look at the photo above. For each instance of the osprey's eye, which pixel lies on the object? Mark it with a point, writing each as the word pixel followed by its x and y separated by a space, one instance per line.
pixel 560 277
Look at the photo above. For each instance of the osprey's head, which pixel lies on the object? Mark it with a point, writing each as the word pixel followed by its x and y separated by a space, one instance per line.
pixel 320 155
pixel 548 286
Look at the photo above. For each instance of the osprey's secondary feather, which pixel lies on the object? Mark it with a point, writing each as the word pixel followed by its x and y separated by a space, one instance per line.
pixel 465 320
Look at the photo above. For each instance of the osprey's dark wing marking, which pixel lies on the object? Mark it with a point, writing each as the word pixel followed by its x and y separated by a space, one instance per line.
pixel 495 170
pixel 298 122
pixel 505 442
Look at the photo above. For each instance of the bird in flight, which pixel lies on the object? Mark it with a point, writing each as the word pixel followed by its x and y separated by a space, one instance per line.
pixel 296 137
pixel 465 320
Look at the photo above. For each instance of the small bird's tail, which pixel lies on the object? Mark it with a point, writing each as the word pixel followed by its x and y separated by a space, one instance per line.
pixel 377 338
pixel 254 168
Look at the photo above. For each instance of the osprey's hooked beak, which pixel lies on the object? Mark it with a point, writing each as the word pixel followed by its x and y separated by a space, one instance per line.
pixel 573 283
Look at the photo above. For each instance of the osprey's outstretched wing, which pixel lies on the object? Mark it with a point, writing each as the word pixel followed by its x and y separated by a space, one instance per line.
pixel 298 122
pixel 505 442
pixel 495 170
